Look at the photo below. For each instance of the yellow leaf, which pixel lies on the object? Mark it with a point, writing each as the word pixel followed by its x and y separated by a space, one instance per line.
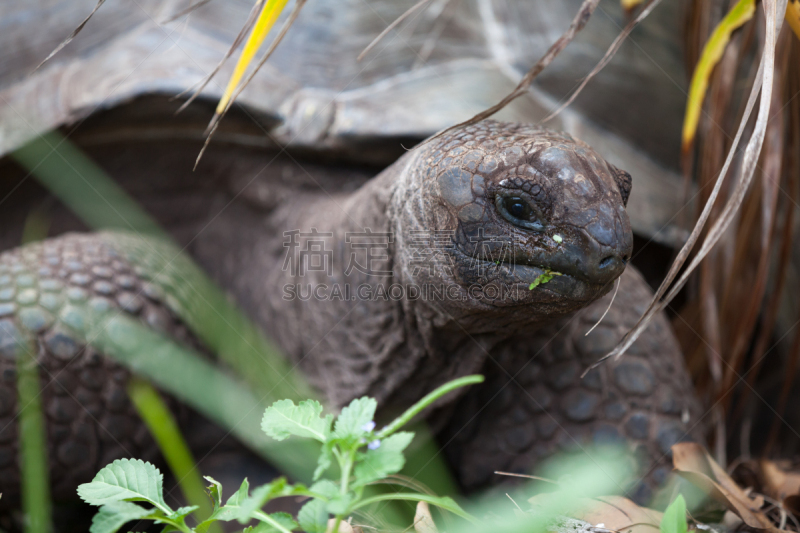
pixel 266 20
pixel 628 5
pixel 712 53
pixel 793 16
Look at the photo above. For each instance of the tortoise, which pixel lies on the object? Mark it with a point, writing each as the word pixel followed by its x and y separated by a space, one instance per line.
pixel 477 218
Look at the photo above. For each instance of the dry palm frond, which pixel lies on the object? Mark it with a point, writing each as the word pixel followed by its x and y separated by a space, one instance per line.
pixel 678 276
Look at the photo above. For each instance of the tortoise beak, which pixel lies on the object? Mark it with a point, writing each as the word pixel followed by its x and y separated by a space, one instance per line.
pixel 591 261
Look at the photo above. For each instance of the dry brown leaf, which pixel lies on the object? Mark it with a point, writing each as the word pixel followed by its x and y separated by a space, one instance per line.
pixel 693 463
pixel 344 527
pixel 423 521
pixel 778 483
pixel 615 513
pixel 620 514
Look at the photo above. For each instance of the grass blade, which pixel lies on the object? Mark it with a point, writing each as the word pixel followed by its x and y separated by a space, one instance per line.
pixel 32 445
pixel 101 203
pixel 159 420
pixel 34 465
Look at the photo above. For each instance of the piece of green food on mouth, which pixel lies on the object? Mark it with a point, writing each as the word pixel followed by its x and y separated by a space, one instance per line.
pixel 543 278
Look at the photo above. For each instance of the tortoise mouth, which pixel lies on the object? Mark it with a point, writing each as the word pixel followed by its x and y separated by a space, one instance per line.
pixel 524 280
pixel 538 280
pixel 525 284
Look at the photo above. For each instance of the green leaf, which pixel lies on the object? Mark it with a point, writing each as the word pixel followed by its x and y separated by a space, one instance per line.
pixel 283 419
pixel 114 515
pixel 543 278
pixel 227 512
pixel 243 507
pixel 125 480
pixel 340 505
pixel 261 495
pixel 354 421
pixel 214 491
pixel 326 488
pixel 674 520
pixel 182 512
pixel 240 495
pixel 313 517
pixel 387 459
pixel 325 459
pixel 284 519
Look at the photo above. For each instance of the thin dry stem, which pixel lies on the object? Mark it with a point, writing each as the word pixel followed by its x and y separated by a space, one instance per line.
pixel 214 124
pixel 392 26
pixel 72 35
pixel 610 53
pixel 616 288
pixel 251 19
pixel 578 23
pixel 764 85
pixel 186 11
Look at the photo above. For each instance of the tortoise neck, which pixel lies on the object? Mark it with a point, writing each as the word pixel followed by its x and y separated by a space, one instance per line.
pixel 342 308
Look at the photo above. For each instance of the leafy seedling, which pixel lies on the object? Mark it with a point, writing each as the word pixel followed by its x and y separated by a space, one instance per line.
pixel 363 455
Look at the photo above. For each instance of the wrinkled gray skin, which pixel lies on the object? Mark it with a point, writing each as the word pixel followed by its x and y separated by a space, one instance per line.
pixel 531 344
pixel 452 185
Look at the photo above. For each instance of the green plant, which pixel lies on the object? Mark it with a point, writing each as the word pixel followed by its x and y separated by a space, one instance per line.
pixel 543 278
pixel 363 456
pixel 674 520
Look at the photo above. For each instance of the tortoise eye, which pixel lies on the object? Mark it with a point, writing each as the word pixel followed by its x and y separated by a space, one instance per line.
pixel 518 208
pixel 518 211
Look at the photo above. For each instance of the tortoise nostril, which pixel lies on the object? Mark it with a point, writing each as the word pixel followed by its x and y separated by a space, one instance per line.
pixel 608 261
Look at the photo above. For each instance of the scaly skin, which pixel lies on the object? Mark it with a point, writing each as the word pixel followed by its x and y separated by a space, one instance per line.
pixel 90 420
pixel 397 350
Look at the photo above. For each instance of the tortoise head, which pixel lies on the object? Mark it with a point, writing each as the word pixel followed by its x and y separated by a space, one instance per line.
pixel 537 220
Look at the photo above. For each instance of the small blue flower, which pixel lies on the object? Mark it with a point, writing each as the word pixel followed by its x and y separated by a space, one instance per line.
pixel 374 445
pixel 369 426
